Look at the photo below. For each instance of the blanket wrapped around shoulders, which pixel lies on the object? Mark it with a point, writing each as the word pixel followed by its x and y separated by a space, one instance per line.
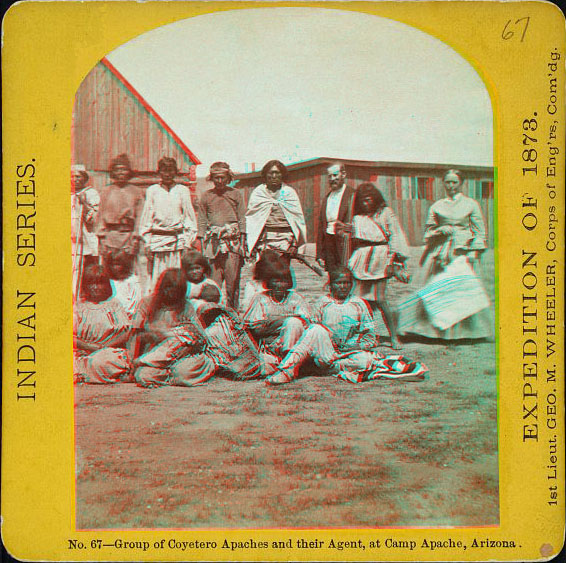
pixel 259 208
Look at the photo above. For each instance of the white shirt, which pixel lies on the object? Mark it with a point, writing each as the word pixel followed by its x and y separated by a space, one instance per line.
pixel 332 208
pixel 128 292
pixel 168 211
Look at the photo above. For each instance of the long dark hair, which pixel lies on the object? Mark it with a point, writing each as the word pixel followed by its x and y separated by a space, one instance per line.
pixel 278 271
pixel 282 168
pixel 173 278
pixel 364 190
pixel 262 268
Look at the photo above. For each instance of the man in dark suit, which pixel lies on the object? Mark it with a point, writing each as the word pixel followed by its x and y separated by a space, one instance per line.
pixel 331 242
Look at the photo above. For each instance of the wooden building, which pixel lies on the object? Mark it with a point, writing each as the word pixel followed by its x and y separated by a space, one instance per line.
pixel 409 189
pixel 111 117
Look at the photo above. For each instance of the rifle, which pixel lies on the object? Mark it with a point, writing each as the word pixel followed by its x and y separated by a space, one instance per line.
pixel 347 237
pixel 300 258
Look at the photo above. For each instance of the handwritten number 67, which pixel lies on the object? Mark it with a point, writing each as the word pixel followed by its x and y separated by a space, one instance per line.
pixel 508 33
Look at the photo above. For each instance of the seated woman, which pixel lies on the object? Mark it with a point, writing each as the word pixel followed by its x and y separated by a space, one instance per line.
pixel 258 283
pixel 278 316
pixel 167 343
pixel 342 340
pixel 197 272
pixel 101 328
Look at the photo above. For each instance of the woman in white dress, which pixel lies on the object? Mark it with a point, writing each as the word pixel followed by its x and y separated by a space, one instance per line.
pixel 455 230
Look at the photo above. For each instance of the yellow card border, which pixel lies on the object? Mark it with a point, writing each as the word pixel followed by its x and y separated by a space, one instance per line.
pixel 49 48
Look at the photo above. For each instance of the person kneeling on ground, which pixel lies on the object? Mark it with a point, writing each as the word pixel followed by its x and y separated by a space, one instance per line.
pixel 342 341
pixel 101 330
pixel 168 344
pixel 277 317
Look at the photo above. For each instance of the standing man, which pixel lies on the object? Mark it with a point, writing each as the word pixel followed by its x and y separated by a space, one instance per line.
pixel 84 208
pixel 168 224
pixel 119 214
pixel 221 230
pixel 274 218
pixel 335 214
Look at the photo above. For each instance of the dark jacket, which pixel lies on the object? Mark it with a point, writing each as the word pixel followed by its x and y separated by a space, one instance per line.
pixel 344 215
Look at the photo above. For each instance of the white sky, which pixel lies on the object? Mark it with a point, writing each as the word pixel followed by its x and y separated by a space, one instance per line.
pixel 297 83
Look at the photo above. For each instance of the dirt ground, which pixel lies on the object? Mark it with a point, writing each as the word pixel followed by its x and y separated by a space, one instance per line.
pixel 317 453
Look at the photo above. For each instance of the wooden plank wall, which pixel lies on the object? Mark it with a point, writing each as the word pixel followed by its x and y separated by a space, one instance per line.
pixel 400 191
pixel 109 120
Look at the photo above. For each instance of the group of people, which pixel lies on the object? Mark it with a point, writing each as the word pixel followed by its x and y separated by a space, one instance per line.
pixel 180 321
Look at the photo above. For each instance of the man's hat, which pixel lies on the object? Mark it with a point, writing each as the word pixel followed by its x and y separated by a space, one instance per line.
pixel 80 169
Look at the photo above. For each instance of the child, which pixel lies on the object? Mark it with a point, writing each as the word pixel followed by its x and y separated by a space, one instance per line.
pixel 197 272
pixel 261 274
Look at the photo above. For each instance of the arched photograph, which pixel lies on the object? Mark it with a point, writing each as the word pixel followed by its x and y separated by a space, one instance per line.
pixel 284 278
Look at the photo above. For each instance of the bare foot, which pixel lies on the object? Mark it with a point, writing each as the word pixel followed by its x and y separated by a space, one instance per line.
pixel 396 344
pixel 280 377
